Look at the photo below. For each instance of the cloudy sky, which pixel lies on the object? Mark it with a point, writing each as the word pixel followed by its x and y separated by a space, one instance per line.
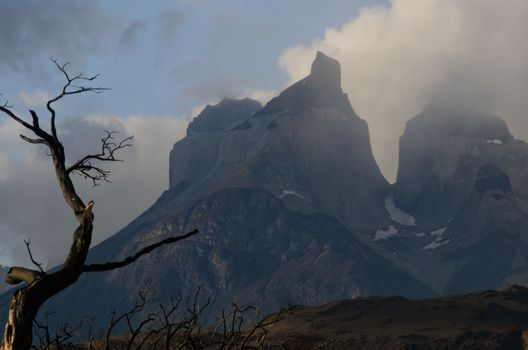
pixel 165 60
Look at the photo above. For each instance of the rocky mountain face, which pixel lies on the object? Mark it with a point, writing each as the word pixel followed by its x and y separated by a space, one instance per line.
pixel 292 208
pixel 441 153
pixel 464 179
pixel 195 156
pixel 307 147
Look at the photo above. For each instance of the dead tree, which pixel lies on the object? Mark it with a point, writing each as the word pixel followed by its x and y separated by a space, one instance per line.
pixel 40 285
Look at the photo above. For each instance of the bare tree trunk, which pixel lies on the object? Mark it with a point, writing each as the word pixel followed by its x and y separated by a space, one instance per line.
pixel 19 326
pixel 41 286
pixel 26 302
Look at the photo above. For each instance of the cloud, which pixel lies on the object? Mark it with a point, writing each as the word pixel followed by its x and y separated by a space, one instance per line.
pixel 130 35
pixel 34 99
pixel 36 208
pixel 397 58
pixel 261 95
pixel 32 29
pixel 216 85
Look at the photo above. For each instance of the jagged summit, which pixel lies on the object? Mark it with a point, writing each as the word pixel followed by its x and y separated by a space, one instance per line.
pixel 222 116
pixel 193 157
pixel 455 121
pixel 320 89
pixel 441 151
pixel 326 70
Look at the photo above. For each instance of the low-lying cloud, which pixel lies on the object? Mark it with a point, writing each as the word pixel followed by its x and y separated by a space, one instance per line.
pixel 398 58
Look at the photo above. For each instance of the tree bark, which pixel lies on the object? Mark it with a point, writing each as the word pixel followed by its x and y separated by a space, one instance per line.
pixel 26 302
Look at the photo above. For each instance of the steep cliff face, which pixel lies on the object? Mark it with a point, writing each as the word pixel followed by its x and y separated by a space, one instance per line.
pixel 441 152
pixel 487 238
pixel 193 157
pixel 463 178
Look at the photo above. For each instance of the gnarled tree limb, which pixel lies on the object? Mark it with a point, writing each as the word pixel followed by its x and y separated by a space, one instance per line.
pixel 118 264
pixel 17 275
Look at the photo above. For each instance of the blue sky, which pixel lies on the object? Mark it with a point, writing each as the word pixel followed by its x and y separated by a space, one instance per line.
pixel 167 57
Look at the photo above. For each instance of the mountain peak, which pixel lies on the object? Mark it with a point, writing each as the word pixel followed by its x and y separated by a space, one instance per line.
pixel 193 157
pixel 325 69
pixel 320 89
pixel 222 116
pixel 454 121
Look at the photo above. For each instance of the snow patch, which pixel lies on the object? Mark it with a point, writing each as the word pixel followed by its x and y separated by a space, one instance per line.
pixel 493 142
pixel 439 240
pixel 398 215
pixel 285 193
pixel 384 234
pixel 438 233
pixel 436 244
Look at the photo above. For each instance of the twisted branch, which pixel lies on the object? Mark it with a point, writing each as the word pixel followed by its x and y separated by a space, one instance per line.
pixel 129 260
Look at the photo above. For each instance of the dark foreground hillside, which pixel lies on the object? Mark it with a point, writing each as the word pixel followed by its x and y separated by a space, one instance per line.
pixel 486 320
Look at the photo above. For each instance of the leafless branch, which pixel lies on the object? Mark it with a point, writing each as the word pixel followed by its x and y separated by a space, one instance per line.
pixel 37 264
pixel 70 88
pixel 127 315
pixel 30 140
pixel 118 264
pixel 173 325
pixel 108 153
pixel 62 333
pixel 17 275
pixel 6 104
pixel 7 110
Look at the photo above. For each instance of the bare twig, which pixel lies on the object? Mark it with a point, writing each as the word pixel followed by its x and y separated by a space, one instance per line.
pixel 85 166
pixel 70 89
pixel 37 264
